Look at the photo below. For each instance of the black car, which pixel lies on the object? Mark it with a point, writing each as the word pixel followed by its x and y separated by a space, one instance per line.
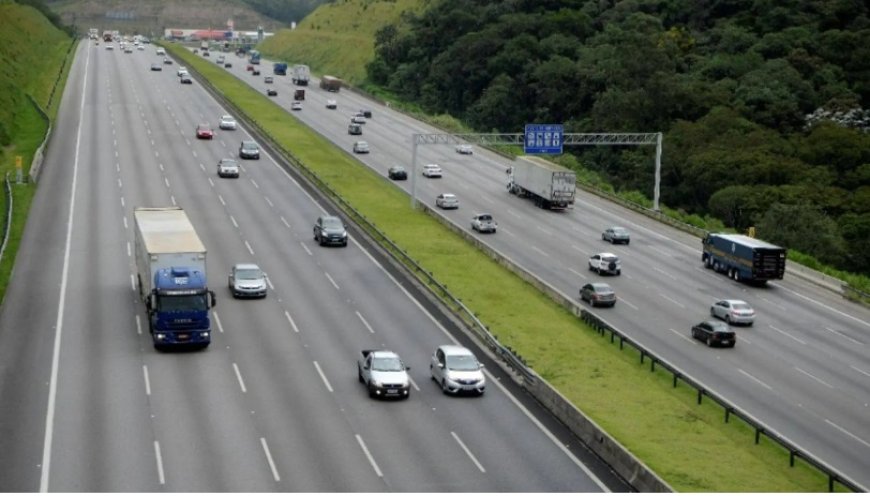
pixel 715 333
pixel 330 230
pixel 156 67
pixel 598 294
pixel 272 92
pixel 366 113
pixel 397 173
pixel 249 149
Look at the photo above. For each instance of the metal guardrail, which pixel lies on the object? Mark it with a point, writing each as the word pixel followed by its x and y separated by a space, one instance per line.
pixel 795 451
pixel 514 361
pixel 7 224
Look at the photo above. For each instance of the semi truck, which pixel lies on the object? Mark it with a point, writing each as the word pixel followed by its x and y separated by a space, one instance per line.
pixel 330 83
pixel 254 57
pixel 300 75
pixel 551 186
pixel 743 258
pixel 171 273
pixel 279 68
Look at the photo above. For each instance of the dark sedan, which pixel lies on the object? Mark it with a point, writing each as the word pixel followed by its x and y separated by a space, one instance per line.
pixel 715 333
pixel 397 173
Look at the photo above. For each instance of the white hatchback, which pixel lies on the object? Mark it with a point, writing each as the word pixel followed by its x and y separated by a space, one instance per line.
pixel 457 370
pixel 431 170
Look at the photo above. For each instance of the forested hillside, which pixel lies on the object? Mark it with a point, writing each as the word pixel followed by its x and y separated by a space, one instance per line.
pixel 729 82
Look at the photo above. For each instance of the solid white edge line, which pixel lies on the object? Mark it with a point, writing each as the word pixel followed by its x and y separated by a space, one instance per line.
pixel 147 380
pixel 270 460
pixel 55 357
pixel 374 464
pixel 756 379
pixel 138 325
pixel 233 220
pixel 323 376
pixel 844 431
pixel 239 377
pixel 468 452
pixel 159 459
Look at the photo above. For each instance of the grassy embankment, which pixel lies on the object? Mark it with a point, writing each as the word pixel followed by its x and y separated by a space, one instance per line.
pixel 32 53
pixel 662 425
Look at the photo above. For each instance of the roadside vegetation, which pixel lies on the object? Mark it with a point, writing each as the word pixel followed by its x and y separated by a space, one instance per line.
pixel 662 425
pixel 33 65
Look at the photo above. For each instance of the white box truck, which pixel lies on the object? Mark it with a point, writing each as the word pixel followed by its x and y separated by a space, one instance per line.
pixel 171 271
pixel 550 185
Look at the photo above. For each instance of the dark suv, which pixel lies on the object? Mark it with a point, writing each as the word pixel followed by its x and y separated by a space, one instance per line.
pixel 329 230
pixel 249 149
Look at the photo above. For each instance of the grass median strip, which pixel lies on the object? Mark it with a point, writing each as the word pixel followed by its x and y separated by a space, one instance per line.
pixel 688 445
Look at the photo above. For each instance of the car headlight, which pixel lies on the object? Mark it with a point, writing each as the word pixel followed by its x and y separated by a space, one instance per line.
pixel 204 334
pixel 160 336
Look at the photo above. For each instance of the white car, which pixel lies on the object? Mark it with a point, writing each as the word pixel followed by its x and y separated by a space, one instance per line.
pixel 484 223
pixel 161 51
pixel 447 201
pixel 296 105
pixel 457 370
pixel 431 170
pixel 358 119
pixel 605 263
pixel 733 312
pixel 181 71
pixel 109 47
pixel 360 147
pixel 464 149
pixel 140 47
pixel 331 104
pixel 227 122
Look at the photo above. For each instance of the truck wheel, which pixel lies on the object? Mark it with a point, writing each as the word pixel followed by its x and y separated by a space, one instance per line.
pixel 716 266
pixel 707 263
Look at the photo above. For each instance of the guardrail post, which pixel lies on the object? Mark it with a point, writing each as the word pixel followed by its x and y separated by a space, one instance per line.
pixel 701 396
pixel 621 342
pixel 652 365
pixel 791 455
pixel 642 354
pixel 757 435
pixel 727 414
pixel 676 376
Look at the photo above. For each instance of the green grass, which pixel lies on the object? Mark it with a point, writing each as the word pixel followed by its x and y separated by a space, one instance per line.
pixel 688 445
pixel 338 37
pixel 33 54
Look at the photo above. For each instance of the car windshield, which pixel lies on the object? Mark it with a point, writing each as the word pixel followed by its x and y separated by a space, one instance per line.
pixel 249 145
pixel 610 259
pixel 740 306
pixel 484 218
pixel 620 231
pixel 387 364
pixel 226 118
pixel 183 302
pixel 228 163
pixel 462 362
pixel 332 223
pixel 601 288
pixel 249 274
pixel 719 326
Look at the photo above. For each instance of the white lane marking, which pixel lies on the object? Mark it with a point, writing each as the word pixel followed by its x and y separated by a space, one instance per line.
pixel 290 319
pixel 365 323
pixel 123 204
pixel 133 281
pixel 623 300
pixel 233 220
pixel 159 458
pixel 756 379
pixel 542 252
pixel 248 246
pixel 507 232
pixel 771 302
pixel 125 223
pixel 467 452
pixel 668 274
pixel 147 380
pixel 221 199
pixel 511 212
pixel 269 282
pixel 844 431
pixel 675 302
pixel 832 309
pixel 305 248
pixel 859 370
pixel 217 321
pixel 802 371
pixel 194 154
pixel 582 275
pixel 413 383
pixel 581 250
pixel 129 253
pixel 166 181
pixel 202 167
pixel 323 376
pixel 331 280
pixel 239 377
pixel 172 199
pixel 161 168
pixel 787 334
pixel 545 231
pixel 374 464
pixel 120 184
pixel 838 333
pixel 55 354
pixel 268 201
pixel 211 182
pixel 270 460
pixel 680 334
pixel 138 325
pixel 255 184
pixel 285 221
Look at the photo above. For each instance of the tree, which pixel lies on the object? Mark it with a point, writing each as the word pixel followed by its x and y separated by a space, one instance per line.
pixel 805 228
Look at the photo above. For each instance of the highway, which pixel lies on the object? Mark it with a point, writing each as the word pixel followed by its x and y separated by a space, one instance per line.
pixel 804 367
pixel 274 403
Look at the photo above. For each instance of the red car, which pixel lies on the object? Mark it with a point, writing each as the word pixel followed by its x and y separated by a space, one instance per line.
pixel 250 68
pixel 204 131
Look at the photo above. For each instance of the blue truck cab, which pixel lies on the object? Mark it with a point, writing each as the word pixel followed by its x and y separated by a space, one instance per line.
pixel 743 258
pixel 280 68
pixel 178 308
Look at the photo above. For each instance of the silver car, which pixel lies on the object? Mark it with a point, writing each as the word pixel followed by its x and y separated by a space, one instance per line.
pixel 227 122
pixel 447 201
pixel 457 370
pixel 483 223
pixel 228 167
pixel 616 235
pixel 247 280
pixel 733 312
pixel 360 147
